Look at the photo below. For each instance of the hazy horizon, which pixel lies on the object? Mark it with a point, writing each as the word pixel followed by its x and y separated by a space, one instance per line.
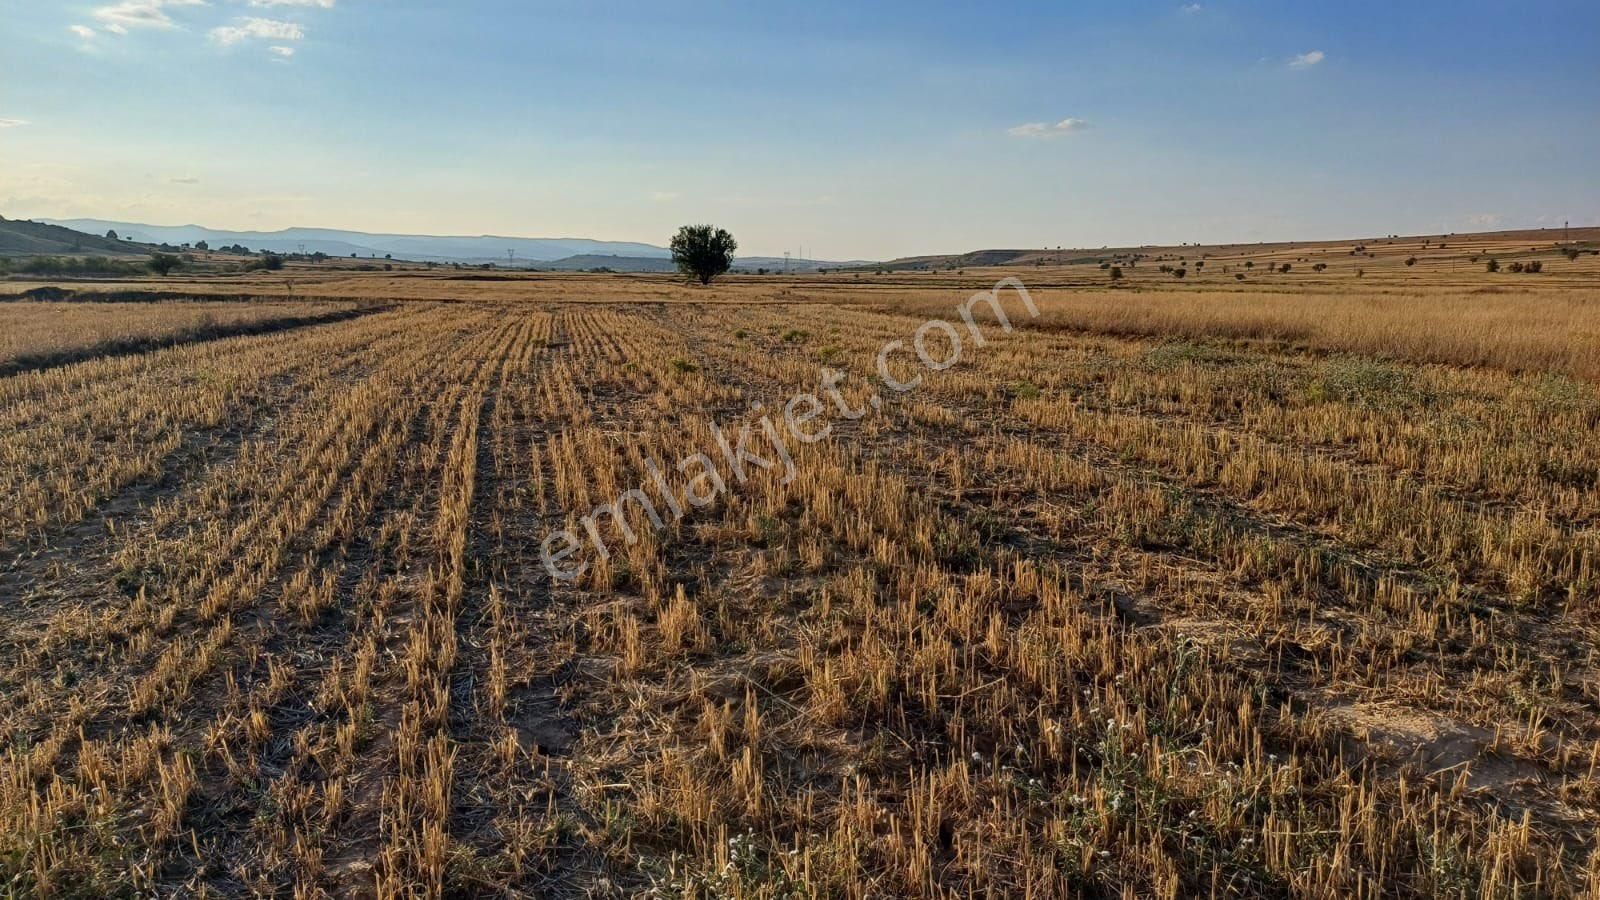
pixel 853 133
pixel 742 254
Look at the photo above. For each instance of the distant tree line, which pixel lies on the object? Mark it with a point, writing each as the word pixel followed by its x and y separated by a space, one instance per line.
pixel 69 266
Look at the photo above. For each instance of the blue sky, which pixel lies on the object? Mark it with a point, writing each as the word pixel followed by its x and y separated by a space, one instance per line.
pixel 853 130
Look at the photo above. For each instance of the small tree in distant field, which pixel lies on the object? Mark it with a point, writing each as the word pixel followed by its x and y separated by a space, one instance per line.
pixel 1285 268
pixel 112 235
pixel 1116 273
pixel 163 263
pixel 1492 265
pixel 703 252
pixel 1411 260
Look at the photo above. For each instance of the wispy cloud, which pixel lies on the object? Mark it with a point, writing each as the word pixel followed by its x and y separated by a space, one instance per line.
pixel 1483 220
pixel 12 123
pixel 186 179
pixel 1191 9
pixel 1047 129
pixel 119 17
pixel 82 31
pixel 254 28
pixel 1307 60
pixel 281 52
pixel 320 4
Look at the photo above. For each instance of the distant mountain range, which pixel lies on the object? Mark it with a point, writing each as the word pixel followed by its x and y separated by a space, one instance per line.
pixel 560 253
pixel 334 242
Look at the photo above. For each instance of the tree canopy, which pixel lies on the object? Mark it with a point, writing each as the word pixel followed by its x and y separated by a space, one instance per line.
pixel 703 251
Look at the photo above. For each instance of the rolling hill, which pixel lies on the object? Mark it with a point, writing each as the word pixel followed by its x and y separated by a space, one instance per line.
pixel 24 238
pixel 1392 244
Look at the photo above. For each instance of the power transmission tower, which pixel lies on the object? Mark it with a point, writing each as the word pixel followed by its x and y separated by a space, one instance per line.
pixel 785 262
pixel 511 258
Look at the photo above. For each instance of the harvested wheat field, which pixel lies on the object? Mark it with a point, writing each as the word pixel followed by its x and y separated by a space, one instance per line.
pixel 41 335
pixel 595 586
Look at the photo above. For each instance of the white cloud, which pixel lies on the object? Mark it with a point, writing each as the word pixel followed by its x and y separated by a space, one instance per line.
pixel 1190 8
pixel 12 123
pixel 119 17
pixel 1307 60
pixel 1483 220
pixel 186 179
pixel 265 29
pixel 82 31
pixel 281 52
pixel 1047 129
pixel 320 4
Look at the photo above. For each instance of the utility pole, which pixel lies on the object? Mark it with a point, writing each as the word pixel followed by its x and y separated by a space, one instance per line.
pixel 511 259
pixel 785 262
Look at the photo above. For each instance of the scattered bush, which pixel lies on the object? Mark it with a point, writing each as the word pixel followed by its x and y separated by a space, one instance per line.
pixel 163 263
pixel 1492 265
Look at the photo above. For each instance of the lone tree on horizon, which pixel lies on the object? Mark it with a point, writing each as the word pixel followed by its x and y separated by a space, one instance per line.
pixel 703 251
